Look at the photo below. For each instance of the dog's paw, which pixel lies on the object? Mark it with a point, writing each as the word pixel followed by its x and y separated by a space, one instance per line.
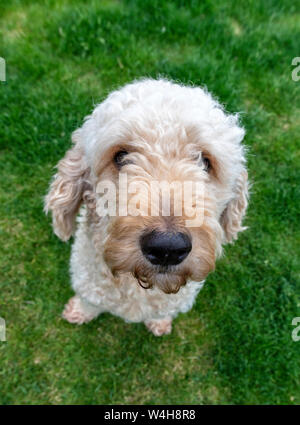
pixel 160 327
pixel 75 313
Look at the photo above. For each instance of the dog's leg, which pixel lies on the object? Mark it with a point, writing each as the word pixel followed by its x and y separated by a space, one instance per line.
pixel 80 311
pixel 160 327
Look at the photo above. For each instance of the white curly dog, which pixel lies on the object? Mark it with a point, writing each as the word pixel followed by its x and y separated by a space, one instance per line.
pixel 141 265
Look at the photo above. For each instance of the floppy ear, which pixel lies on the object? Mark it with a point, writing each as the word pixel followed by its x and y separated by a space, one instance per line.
pixel 232 216
pixel 66 191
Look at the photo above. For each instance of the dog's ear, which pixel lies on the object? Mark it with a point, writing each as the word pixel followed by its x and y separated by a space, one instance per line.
pixel 66 191
pixel 232 216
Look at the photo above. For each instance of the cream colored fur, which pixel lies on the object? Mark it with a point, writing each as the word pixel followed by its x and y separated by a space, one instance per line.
pixel 166 127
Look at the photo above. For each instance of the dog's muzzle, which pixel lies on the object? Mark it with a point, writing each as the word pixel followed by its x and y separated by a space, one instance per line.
pixel 165 248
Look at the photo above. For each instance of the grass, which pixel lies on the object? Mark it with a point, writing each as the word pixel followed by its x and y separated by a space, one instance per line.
pixel 235 345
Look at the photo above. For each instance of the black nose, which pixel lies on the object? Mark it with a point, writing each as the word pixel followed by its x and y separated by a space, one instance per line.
pixel 165 248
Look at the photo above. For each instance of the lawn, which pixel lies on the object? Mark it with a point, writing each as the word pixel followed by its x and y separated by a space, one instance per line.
pixel 235 345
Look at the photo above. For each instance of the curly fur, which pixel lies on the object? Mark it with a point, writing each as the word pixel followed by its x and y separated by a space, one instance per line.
pixel 166 128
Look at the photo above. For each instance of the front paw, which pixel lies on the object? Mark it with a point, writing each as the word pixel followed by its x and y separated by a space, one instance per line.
pixel 160 327
pixel 74 312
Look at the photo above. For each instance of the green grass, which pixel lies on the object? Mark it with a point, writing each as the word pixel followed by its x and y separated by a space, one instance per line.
pixel 235 345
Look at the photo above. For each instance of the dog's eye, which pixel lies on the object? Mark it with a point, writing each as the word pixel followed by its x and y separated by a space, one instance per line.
pixel 119 158
pixel 206 164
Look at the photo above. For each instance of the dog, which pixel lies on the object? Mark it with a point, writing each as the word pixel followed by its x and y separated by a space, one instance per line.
pixel 139 266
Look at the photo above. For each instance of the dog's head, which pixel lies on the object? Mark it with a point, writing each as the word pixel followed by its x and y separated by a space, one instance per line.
pixel 162 171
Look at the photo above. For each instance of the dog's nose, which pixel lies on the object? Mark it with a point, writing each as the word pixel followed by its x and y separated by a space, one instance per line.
pixel 165 248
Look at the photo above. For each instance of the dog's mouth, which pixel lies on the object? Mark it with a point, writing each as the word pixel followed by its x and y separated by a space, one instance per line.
pixel 167 281
pixel 164 269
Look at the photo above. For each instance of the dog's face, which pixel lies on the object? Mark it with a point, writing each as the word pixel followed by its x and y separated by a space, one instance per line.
pixel 186 182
